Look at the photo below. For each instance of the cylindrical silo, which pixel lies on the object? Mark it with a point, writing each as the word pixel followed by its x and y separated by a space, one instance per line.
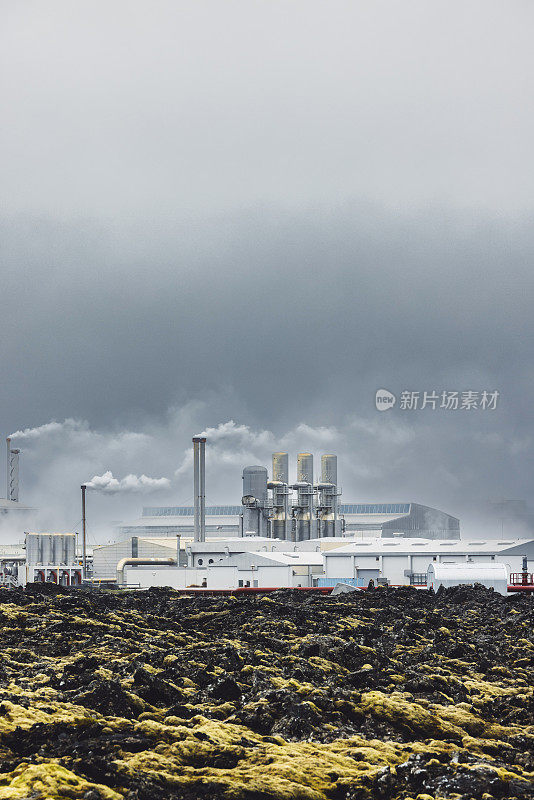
pixel 329 494
pixel 281 467
pixel 305 496
pixel 279 485
pixel 329 469
pixel 255 483
pixel 46 551
pixel 305 468
pixel 70 550
pixel 56 548
pixel 32 548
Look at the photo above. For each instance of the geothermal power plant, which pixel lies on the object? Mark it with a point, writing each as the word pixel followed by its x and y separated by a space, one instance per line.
pixel 285 533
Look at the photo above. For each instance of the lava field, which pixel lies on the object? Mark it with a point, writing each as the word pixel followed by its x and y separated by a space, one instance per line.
pixel 387 694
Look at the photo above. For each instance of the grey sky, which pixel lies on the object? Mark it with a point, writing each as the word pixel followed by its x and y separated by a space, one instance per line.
pixel 264 211
pixel 141 109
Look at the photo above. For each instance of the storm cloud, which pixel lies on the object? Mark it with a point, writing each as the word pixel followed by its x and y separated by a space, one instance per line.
pixel 247 217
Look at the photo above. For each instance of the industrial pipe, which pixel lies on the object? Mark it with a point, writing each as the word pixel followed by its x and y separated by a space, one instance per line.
pixel 13 476
pixel 84 536
pixel 8 446
pixel 196 497
pixel 143 562
pixel 202 473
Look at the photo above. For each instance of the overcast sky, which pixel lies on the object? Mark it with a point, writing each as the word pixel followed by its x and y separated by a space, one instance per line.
pixel 263 212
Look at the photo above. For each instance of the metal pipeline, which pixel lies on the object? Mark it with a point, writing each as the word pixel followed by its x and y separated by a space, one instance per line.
pixel 143 562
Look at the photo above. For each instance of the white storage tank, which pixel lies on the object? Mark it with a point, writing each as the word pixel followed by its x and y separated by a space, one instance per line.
pixel 493 576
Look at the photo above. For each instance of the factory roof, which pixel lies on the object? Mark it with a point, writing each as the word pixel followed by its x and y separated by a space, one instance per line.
pixel 294 559
pixel 370 519
pixel 178 520
pixel 18 549
pixel 411 546
pixel 13 505
pixel 188 511
pixel 393 509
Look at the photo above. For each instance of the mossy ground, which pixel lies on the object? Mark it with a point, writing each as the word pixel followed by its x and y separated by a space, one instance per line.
pixel 154 696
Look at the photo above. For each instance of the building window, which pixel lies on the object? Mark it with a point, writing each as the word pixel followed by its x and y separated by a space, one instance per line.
pixel 418 579
pixel 377 558
pixel 493 558
pixel 434 558
pixel 240 584
pixel 200 562
pixel 210 560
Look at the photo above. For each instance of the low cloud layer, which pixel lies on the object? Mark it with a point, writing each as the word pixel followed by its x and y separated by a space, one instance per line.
pixel 245 218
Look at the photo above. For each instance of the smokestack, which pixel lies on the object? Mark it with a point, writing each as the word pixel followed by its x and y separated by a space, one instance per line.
pixel 8 459
pixel 199 488
pixel 84 536
pixel 13 476
pixel 196 498
pixel 203 490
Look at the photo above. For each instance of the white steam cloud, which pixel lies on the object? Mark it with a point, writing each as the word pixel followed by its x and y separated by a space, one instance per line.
pixel 136 484
pixel 382 458
pixel 50 428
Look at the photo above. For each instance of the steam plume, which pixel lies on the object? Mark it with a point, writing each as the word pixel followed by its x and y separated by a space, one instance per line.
pixel 134 484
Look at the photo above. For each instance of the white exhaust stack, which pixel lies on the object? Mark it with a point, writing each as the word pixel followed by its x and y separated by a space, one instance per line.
pixel 203 490
pixel 199 488
pixel 8 459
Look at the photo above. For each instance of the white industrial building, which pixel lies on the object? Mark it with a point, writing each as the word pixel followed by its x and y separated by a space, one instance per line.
pixel 107 556
pixel 202 556
pixel 256 569
pixel 260 562
pixel 404 562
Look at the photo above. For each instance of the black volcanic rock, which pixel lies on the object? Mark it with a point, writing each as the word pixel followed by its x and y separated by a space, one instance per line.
pixel 392 694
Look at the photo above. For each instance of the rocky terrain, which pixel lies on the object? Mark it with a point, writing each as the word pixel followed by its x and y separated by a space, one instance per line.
pixel 157 696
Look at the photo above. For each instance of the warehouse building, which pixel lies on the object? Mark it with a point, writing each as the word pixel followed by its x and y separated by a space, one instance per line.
pixel 264 562
pixel 358 519
pixel 405 562
pixel 240 570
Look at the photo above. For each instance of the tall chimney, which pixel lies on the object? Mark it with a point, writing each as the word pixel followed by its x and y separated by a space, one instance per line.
pixel 13 476
pixel 84 535
pixel 196 496
pixel 8 459
pixel 199 487
pixel 202 472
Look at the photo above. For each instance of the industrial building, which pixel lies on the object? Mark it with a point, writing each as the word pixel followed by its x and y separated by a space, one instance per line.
pixel 259 562
pixel 296 511
pixel 405 562
pixel 44 557
pixel 362 519
pixel 293 534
